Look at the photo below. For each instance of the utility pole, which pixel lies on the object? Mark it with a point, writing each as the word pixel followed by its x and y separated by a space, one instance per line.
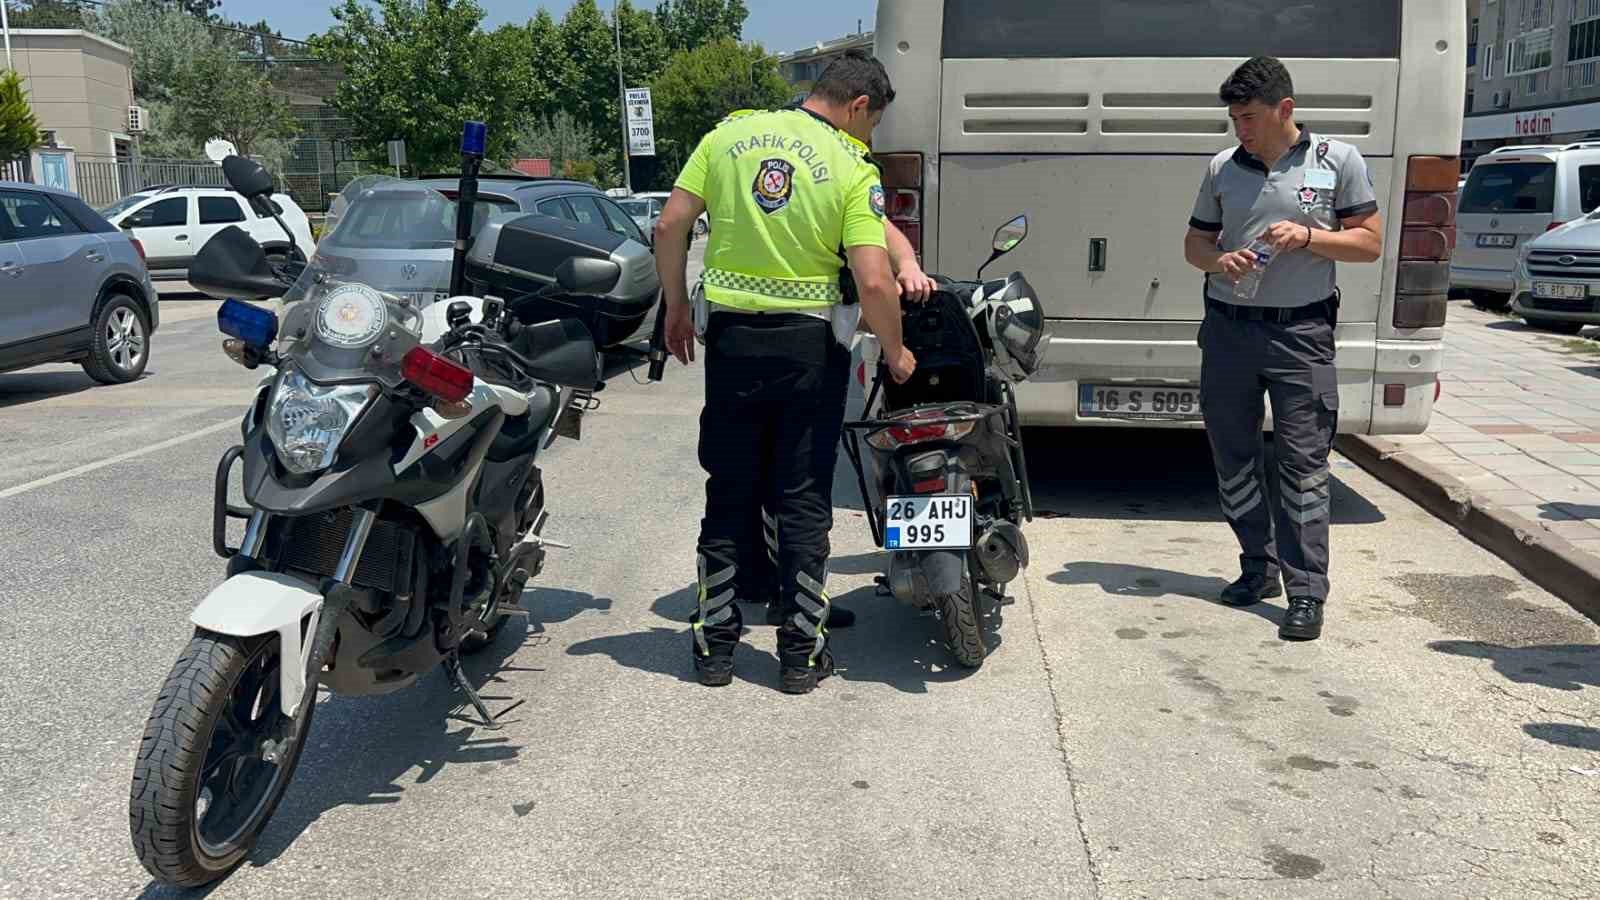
pixel 622 98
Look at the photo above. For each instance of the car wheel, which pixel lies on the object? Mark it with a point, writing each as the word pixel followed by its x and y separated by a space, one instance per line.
pixel 1491 301
pixel 1558 326
pixel 119 349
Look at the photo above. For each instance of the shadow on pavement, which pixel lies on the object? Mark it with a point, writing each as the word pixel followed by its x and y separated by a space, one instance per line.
pixel 1147 583
pixel 359 748
pixel 1165 476
pixel 1578 737
pixel 1561 667
pixel 548 606
pixel 1591 371
pixel 31 387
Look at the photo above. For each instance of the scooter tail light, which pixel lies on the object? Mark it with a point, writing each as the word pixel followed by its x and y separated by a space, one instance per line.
pixel 897 436
pixel 928 486
pixel 449 381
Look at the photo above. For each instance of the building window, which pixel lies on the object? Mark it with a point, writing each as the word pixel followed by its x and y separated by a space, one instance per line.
pixel 1536 14
pixel 1530 52
pixel 1488 62
pixel 1583 75
pixel 1585 9
pixel 1531 85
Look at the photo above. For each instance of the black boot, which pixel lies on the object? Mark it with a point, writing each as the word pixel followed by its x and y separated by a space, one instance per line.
pixel 1303 621
pixel 804 679
pixel 1250 589
pixel 714 671
pixel 838 617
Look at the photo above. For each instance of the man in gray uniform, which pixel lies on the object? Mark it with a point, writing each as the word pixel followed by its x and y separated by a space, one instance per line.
pixel 1310 200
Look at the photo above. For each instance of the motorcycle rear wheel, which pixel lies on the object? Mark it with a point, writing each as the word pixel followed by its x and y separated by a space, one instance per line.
pixel 202 790
pixel 961 624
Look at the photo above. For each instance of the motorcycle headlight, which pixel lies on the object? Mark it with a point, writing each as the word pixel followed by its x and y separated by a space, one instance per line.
pixel 306 421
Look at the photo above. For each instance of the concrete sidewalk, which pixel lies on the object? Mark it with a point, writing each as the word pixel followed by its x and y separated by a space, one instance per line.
pixel 1518 423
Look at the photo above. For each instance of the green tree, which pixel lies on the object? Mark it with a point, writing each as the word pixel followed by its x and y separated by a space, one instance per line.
pixel 162 139
pixel 165 41
pixel 589 87
pixel 19 130
pixel 417 69
pixel 219 96
pixel 702 86
pixel 199 9
pixel 691 24
pixel 50 14
pixel 560 138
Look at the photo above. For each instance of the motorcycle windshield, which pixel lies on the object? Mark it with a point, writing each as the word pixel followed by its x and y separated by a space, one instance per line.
pixel 356 309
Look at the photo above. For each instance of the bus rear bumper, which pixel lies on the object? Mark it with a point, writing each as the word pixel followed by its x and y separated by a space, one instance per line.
pixel 1372 375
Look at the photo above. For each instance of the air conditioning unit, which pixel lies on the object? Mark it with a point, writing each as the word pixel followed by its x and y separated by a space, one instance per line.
pixel 1501 99
pixel 138 119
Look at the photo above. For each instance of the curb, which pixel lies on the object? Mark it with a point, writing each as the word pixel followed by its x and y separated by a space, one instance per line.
pixel 1549 560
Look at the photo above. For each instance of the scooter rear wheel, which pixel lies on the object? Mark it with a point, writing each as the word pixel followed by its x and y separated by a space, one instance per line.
pixel 962 626
pixel 203 788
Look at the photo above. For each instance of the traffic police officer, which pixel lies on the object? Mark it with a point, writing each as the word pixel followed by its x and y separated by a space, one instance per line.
pixel 1311 200
pixel 794 198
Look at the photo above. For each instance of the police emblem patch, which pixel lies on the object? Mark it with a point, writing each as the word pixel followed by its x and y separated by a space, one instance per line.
pixel 875 197
pixel 1308 199
pixel 774 185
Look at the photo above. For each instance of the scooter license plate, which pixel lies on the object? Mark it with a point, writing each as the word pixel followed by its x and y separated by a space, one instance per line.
pixel 928 522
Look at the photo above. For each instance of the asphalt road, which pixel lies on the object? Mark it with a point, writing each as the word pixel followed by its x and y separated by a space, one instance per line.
pixel 1128 737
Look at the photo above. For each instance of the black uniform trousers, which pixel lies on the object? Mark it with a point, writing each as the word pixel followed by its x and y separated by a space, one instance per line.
pixel 775 395
pixel 1292 362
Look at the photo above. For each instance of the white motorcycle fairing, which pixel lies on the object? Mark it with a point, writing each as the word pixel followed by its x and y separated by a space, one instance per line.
pixel 256 603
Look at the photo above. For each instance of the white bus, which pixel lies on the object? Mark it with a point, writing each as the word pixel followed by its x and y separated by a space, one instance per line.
pixel 1096 119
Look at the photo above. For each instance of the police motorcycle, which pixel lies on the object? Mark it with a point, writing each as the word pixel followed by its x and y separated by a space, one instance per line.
pixel 393 502
pixel 947 493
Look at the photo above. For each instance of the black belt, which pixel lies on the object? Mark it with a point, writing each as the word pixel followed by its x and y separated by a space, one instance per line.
pixel 1322 309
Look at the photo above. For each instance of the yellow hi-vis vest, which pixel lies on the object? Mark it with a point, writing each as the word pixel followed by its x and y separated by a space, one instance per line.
pixel 787 193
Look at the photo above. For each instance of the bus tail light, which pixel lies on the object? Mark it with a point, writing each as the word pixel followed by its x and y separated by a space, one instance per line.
pixel 902 194
pixel 1427 238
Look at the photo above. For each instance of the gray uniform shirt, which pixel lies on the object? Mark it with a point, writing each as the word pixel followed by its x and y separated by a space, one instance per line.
pixel 1317 183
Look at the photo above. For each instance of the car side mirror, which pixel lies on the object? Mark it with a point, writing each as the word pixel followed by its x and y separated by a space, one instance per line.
pixel 582 275
pixel 126 224
pixel 246 176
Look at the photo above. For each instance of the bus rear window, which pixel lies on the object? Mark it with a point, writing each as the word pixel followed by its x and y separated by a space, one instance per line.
pixel 1510 188
pixel 1050 29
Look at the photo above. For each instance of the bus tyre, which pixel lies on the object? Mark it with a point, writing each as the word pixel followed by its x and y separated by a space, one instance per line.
pixel 962 626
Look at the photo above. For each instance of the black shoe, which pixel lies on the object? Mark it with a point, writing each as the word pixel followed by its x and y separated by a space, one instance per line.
pixel 716 671
pixel 838 616
pixel 803 679
pixel 1250 589
pixel 1303 621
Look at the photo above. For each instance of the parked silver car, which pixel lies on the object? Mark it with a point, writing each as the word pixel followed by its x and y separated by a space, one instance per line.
pixel 1558 278
pixel 73 288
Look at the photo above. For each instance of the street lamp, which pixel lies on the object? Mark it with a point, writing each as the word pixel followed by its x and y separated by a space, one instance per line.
pixel 622 97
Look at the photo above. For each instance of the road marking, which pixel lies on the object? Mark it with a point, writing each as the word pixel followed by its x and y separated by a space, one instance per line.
pixel 121 457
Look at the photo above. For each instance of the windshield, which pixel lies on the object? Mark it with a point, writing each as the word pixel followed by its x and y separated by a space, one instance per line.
pixel 123 205
pixel 357 306
pixel 1521 187
pixel 635 207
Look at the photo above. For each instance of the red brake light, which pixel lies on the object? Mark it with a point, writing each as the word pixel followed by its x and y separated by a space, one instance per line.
pixel 1427 238
pixel 928 486
pixel 902 187
pixel 1554 225
pixel 447 380
pixel 139 246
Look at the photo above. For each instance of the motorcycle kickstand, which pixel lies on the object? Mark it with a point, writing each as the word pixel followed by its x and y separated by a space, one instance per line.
pixel 452 665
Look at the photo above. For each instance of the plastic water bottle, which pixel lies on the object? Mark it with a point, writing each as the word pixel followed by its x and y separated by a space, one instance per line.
pixel 1245 289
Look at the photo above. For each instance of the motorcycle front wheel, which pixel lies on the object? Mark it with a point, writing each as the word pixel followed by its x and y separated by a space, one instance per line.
pixel 213 764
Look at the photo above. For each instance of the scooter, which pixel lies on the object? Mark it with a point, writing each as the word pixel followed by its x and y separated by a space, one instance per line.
pixel 948 492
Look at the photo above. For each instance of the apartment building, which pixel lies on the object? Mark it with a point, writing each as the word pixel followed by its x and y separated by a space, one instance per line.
pixel 1533 73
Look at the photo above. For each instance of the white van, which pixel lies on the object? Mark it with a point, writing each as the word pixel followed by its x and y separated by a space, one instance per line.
pixel 1513 195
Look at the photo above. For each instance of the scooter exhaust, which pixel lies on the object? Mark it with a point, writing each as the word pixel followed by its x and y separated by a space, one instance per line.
pixel 1002 552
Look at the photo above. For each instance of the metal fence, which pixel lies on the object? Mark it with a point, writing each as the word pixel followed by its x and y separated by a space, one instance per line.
pixel 103 181
pixel 15 171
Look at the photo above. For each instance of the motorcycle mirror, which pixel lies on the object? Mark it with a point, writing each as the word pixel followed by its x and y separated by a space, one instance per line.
pixel 246 176
pixel 1006 239
pixel 232 264
pixel 580 275
pixel 1009 235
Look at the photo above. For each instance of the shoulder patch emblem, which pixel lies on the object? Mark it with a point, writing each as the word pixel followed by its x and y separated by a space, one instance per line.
pixel 774 185
pixel 1308 199
pixel 875 196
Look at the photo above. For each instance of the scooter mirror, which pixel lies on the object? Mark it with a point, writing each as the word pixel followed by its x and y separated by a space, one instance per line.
pixel 1009 235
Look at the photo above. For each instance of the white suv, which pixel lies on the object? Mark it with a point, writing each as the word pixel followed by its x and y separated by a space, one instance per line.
pixel 173 223
pixel 1513 195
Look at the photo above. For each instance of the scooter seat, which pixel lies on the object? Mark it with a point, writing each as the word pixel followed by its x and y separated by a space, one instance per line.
pixel 520 435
